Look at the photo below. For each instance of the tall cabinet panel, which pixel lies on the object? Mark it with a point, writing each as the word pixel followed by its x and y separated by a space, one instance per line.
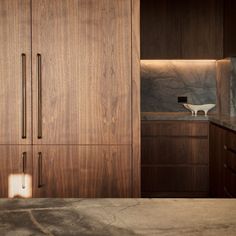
pixel 82 171
pixel 15 171
pixel 15 68
pixel 80 111
pixel 82 71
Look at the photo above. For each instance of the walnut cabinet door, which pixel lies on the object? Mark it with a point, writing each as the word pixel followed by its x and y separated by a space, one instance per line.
pixel 81 53
pixel 15 72
pixel 81 171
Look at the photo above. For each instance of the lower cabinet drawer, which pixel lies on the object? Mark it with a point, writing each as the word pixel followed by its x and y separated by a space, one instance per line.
pixel 175 159
pixel 229 181
pixel 172 150
pixel 230 149
pixel 65 171
pixel 174 128
pixel 174 180
pixel 82 171
pixel 230 157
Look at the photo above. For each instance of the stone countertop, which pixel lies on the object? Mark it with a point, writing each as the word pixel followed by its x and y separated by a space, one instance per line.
pixel 119 217
pixel 222 120
pixel 172 116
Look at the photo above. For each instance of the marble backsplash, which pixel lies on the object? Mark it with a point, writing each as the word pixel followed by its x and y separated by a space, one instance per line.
pixel 163 81
pixel 226 86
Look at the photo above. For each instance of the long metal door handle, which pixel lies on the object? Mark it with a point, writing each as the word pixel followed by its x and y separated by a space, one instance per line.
pixel 39 69
pixel 23 57
pixel 24 160
pixel 40 169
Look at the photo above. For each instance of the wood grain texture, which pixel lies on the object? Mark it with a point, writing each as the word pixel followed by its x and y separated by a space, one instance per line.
pixel 160 29
pixel 85 47
pixel 174 128
pixel 12 164
pixel 15 39
pixel 175 151
pixel 136 123
pixel 175 159
pixel 230 149
pixel 217 140
pixel 174 179
pixel 202 29
pixel 229 28
pixel 83 171
pixel 175 195
pixel 222 162
pixel 229 182
pixel 183 29
pixel 229 163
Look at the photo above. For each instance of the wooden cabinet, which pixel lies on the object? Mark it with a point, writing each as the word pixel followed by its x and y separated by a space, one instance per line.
pixel 15 171
pixel 84 48
pixel 229 164
pixel 229 28
pixel 175 159
pixel 217 137
pixel 84 60
pixel 82 171
pixel 188 29
pixel 183 29
pixel 15 72
pixel 160 29
pixel 222 162
pixel 202 29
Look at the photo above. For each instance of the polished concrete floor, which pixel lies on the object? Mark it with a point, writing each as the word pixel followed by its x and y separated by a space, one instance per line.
pixel 108 217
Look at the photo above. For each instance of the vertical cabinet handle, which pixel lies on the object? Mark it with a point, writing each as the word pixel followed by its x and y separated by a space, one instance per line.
pixel 39 74
pixel 40 169
pixel 24 160
pixel 23 57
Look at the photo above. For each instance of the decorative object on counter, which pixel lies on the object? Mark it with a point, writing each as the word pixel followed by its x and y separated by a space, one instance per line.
pixel 195 108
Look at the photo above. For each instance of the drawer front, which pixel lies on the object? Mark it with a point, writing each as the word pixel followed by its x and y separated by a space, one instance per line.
pixel 175 179
pixel 174 128
pixel 173 150
pixel 229 181
pixel 230 159
pixel 230 150
pixel 82 171
pixel 230 139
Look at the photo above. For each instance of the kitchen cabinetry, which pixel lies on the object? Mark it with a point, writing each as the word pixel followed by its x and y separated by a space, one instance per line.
pixel 222 162
pixel 175 159
pixel 82 171
pixel 16 171
pixel 84 80
pixel 217 136
pixel 229 28
pixel 183 29
pixel 15 72
pixel 84 51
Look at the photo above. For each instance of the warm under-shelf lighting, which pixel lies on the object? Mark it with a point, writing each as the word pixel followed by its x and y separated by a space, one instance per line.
pixel 186 64
pixel 177 60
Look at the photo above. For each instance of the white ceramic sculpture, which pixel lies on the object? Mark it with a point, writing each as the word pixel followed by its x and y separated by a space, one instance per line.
pixel 195 108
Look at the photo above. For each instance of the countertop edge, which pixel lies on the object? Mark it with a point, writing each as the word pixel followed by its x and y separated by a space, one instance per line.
pixel 225 121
